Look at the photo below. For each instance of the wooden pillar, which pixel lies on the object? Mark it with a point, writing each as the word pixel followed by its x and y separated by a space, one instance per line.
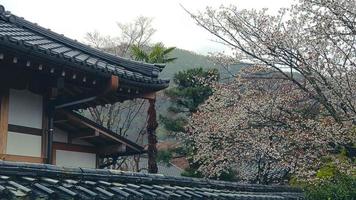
pixel 151 136
pixel 4 119
pixel 50 111
pixel 50 130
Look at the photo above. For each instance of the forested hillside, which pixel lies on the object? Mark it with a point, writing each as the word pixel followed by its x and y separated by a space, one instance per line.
pixel 188 60
pixel 185 60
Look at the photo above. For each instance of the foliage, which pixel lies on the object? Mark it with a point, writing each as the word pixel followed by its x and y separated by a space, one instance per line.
pixel 192 173
pixel 176 125
pixel 327 171
pixel 164 156
pixel 297 105
pixel 330 184
pixel 265 128
pixel 225 176
pixel 339 187
pixel 314 38
pixel 158 54
pixel 138 32
pixel 192 87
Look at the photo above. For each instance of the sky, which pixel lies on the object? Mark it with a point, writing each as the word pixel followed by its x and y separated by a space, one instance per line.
pixel 74 18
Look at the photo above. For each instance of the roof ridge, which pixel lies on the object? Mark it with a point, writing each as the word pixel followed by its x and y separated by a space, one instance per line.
pixel 145 68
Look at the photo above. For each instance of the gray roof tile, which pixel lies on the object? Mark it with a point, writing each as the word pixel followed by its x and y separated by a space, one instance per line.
pixel 23 179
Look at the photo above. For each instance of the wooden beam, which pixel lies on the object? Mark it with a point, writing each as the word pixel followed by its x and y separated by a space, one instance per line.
pixel 18 158
pixel 111 87
pixel 4 119
pixel 99 130
pixel 74 147
pixel 112 150
pixel 25 130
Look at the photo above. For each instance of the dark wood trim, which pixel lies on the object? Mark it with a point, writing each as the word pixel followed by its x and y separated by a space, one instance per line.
pixel 17 158
pixel 25 130
pixel 74 147
pixel 4 119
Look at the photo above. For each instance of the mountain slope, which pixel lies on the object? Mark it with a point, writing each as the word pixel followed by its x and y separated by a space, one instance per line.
pixel 188 60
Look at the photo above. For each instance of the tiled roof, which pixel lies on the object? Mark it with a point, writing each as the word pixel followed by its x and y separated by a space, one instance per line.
pixel 40 181
pixel 21 35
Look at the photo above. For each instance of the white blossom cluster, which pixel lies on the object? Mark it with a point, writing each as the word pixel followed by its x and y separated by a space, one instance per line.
pixel 281 118
pixel 264 128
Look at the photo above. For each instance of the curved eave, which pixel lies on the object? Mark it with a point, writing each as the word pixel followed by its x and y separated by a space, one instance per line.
pixel 128 78
pixel 135 66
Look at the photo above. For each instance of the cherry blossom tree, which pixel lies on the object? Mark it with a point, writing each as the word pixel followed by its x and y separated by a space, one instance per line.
pixel 315 38
pixel 281 117
pixel 264 128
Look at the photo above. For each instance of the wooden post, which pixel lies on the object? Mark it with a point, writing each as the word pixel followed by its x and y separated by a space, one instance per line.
pixel 53 92
pixel 50 130
pixel 151 136
pixel 4 119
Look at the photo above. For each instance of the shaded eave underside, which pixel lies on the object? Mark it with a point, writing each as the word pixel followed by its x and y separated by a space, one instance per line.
pixel 79 120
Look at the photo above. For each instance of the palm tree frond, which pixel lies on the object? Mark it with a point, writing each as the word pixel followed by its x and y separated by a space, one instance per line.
pixel 139 54
pixel 168 50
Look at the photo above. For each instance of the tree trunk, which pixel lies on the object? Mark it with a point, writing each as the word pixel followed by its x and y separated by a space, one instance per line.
pixel 151 136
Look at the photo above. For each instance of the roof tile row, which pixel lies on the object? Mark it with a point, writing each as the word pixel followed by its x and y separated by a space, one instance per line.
pixel 23 34
pixel 53 182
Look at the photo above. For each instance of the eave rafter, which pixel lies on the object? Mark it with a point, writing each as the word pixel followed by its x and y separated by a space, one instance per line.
pixel 94 131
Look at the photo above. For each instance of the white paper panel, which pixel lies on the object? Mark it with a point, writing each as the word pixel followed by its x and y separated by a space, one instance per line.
pixel 25 109
pixel 23 144
pixel 75 159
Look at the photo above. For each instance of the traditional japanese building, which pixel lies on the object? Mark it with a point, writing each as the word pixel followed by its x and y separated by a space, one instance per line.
pixel 45 77
pixel 49 151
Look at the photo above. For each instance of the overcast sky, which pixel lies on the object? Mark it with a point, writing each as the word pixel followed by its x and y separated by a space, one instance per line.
pixel 74 18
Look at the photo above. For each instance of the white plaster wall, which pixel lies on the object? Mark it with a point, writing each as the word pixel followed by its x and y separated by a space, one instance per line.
pixel 25 109
pixel 23 144
pixel 60 135
pixel 75 159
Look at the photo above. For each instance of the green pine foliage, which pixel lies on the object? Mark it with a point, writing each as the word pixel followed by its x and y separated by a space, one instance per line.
pixel 164 156
pixel 191 88
pixel 173 124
